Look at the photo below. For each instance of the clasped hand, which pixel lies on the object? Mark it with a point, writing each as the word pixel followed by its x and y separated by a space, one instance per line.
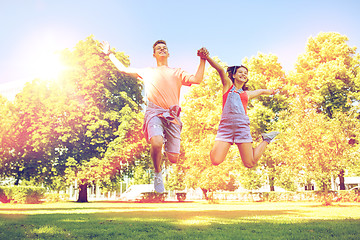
pixel 203 53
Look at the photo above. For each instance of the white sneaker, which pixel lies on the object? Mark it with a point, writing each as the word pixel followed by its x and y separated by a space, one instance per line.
pixel 158 183
pixel 269 137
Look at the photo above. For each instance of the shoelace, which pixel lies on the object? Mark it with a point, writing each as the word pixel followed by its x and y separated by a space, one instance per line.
pixel 158 180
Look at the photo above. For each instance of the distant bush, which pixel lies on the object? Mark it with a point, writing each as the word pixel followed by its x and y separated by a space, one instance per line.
pixel 153 197
pixel 347 196
pixel 3 195
pixel 21 194
pixel 317 196
pixel 56 197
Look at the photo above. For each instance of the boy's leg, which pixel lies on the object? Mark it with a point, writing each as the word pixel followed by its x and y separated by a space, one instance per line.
pixel 156 155
pixel 155 132
pixel 173 157
pixel 156 143
pixel 172 142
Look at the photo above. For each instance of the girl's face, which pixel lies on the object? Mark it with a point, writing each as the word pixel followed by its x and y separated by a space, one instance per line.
pixel 241 75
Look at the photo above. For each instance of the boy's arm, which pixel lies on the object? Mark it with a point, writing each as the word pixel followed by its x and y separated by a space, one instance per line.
pixel 131 71
pixel 199 75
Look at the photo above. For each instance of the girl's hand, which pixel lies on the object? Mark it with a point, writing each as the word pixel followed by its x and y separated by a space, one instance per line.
pixel 272 91
pixel 203 53
pixel 268 92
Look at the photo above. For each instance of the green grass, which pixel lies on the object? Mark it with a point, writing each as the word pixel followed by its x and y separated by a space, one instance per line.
pixel 173 220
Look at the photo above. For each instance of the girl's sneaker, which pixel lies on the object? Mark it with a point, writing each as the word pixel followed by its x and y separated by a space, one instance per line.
pixel 269 137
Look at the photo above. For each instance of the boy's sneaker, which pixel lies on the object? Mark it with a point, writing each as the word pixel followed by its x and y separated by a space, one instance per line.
pixel 269 137
pixel 158 183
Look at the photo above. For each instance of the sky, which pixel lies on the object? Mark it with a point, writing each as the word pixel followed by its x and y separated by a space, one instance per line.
pixel 32 30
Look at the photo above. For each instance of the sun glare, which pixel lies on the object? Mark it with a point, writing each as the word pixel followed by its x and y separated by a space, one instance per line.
pixel 48 66
pixel 45 59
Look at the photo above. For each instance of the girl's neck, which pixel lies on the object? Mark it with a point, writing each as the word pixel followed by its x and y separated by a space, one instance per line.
pixel 238 85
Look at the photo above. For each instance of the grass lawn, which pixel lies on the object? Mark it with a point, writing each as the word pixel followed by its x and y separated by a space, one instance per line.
pixel 174 220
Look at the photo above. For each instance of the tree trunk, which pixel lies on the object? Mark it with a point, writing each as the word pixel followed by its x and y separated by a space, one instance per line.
pixel 18 177
pixel 271 183
pixel 205 193
pixel 342 180
pixel 83 193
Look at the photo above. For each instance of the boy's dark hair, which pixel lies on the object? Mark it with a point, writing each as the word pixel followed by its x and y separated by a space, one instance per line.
pixel 231 70
pixel 158 42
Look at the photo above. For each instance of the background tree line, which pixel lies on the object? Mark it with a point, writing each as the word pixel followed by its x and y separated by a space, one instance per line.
pixel 86 125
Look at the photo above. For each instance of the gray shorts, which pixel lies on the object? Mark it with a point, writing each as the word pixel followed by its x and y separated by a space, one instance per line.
pixel 234 129
pixel 158 126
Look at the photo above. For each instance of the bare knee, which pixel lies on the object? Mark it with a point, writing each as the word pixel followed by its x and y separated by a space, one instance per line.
pixel 215 163
pixel 173 157
pixel 249 165
pixel 156 142
pixel 215 160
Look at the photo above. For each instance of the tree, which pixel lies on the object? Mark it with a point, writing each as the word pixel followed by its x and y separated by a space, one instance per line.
pixel 6 120
pixel 314 146
pixel 30 136
pixel 68 129
pixel 326 78
pixel 327 73
pixel 265 72
pixel 103 105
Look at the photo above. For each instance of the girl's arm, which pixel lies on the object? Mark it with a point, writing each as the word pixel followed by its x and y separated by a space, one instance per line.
pixel 259 92
pixel 225 80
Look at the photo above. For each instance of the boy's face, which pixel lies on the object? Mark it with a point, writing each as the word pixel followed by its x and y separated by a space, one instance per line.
pixel 161 50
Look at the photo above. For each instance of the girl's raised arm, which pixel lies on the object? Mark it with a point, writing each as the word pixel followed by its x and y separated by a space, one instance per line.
pixel 203 53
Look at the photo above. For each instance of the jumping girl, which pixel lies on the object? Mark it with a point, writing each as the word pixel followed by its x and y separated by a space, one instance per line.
pixel 234 125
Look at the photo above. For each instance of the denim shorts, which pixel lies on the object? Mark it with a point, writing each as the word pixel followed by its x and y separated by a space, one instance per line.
pixel 158 126
pixel 234 129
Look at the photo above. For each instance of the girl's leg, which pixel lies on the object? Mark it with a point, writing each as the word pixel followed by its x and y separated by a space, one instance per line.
pixel 219 152
pixel 250 155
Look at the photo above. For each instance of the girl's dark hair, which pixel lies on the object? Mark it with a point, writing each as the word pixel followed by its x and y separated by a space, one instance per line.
pixel 232 70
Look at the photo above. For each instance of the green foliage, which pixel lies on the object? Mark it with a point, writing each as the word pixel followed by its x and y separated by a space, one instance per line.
pixel 141 175
pixel 326 73
pixel 60 131
pixel 251 179
pixel 22 194
pixel 176 178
